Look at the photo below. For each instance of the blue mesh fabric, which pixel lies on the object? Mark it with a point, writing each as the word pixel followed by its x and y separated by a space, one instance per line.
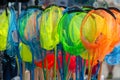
pixel 12 40
pixel 114 57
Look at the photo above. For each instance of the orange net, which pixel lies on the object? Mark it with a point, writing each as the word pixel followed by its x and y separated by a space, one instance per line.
pixel 97 34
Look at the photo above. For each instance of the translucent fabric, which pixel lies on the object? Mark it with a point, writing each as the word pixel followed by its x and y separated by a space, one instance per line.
pixel 8 26
pixel 114 57
pixel 25 52
pixel 116 12
pixel 12 39
pixel 48 27
pixel 27 25
pixel 98 33
pixel 69 32
pixel 28 31
pixel 4 27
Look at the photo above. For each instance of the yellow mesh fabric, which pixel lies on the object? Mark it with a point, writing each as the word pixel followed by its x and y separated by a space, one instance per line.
pixel 4 27
pixel 25 52
pixel 48 27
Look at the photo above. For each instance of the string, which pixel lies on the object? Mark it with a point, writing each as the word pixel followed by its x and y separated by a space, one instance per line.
pixel 77 68
pixel 63 77
pixel 94 77
pixel 81 63
pixel 15 44
pixel 43 66
pixel 100 71
pixel 59 65
pixel 55 63
pixel 67 66
pixel 63 63
pixel 89 68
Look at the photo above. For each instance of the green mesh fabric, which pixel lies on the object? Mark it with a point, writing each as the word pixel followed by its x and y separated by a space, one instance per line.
pixel 69 32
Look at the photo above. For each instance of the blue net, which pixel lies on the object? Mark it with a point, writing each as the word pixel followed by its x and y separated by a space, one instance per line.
pixel 114 57
pixel 12 39
pixel 28 30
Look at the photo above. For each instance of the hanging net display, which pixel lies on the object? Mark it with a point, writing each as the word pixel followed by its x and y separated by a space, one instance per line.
pixel 69 32
pixel 97 33
pixel 114 57
pixel 48 27
pixel 28 31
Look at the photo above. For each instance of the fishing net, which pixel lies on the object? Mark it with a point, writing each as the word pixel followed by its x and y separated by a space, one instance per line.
pixel 48 27
pixel 114 57
pixel 8 25
pixel 4 27
pixel 69 32
pixel 25 52
pixel 97 34
pixel 28 30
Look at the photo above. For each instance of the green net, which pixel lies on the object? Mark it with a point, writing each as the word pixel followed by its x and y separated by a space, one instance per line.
pixel 69 32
